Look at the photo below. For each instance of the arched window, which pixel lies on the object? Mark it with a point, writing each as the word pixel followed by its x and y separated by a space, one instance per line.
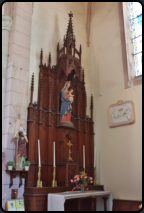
pixel 135 9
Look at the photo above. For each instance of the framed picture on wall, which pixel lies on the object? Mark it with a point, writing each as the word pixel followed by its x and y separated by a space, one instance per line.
pixel 121 113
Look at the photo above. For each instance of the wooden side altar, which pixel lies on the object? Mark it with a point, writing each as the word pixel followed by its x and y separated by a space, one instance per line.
pixel 44 124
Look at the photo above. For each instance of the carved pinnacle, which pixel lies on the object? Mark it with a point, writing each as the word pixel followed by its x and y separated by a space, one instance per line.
pixel 49 58
pixel 70 14
pixel 41 57
pixel 91 101
pixel 83 75
pixel 58 47
pixel 80 50
pixel 32 82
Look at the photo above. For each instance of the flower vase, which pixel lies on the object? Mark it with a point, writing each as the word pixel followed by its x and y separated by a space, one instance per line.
pixel 82 189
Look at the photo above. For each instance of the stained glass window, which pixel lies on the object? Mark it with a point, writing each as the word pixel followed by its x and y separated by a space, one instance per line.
pixel 136 27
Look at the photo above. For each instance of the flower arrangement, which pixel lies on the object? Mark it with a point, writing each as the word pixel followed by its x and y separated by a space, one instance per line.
pixel 81 180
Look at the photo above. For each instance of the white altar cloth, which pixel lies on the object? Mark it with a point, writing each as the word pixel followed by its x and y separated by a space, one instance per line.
pixel 56 200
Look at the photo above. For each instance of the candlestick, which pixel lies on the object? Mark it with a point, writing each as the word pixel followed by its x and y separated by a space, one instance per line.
pixel 39 182
pixel 39 153
pixel 54 154
pixel 54 182
pixel 83 156
pixel 95 180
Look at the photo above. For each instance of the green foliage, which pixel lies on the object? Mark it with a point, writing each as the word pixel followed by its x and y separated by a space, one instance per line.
pixel 10 163
pixel 27 163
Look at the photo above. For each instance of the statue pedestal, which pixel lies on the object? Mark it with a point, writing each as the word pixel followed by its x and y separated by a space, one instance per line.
pixel 68 124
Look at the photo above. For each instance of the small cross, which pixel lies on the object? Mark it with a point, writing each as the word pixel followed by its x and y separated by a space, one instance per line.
pixel 70 14
pixel 69 144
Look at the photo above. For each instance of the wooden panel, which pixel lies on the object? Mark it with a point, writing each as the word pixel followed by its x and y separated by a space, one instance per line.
pixel 32 195
pixel 126 205
pixel 44 124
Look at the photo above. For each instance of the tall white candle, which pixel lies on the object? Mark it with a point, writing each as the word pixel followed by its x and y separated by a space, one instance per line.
pixel 83 156
pixel 39 153
pixel 53 153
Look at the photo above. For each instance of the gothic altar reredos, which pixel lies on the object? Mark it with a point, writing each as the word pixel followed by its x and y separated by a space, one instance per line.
pixel 44 118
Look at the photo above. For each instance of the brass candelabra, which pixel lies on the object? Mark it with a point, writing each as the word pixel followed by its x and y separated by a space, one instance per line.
pixel 95 181
pixel 54 182
pixel 39 182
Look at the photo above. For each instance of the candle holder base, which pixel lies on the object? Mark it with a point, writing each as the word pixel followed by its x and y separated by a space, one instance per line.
pixel 95 182
pixel 54 183
pixel 39 183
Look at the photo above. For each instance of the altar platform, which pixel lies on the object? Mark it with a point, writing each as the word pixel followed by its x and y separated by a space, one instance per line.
pixel 92 200
pixel 35 199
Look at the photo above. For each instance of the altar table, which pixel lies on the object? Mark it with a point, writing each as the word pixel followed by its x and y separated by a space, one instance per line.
pixel 103 199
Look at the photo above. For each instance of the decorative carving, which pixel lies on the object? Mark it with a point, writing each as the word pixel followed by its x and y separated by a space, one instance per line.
pixel 6 22
pixel 41 57
pixel 41 205
pixel 50 87
pixel 41 85
pixel 27 205
pixel 46 116
pixel 35 104
pixel 69 145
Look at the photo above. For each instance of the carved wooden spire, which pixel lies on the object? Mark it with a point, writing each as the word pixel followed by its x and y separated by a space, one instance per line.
pixel 85 99
pixel 80 50
pixel 32 89
pixel 91 107
pixel 70 33
pixel 70 27
pixel 58 46
pixel 49 60
pixel 83 75
pixel 41 57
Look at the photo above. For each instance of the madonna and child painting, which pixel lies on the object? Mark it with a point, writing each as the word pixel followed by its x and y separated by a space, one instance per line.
pixel 66 105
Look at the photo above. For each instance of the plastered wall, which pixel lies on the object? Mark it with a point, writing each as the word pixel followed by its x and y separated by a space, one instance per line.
pixel 49 25
pixel 118 150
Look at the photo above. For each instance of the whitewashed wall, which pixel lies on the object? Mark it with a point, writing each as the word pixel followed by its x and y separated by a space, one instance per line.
pixel 49 25
pixel 119 150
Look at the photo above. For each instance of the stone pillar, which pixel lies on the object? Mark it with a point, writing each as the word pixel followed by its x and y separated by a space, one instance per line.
pixel 16 90
pixel 6 27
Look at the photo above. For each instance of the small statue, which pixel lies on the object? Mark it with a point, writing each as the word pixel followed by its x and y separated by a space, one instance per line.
pixel 66 107
pixel 71 95
pixel 21 148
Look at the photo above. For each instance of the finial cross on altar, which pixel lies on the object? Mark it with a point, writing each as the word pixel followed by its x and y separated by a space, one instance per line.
pixel 69 143
pixel 70 14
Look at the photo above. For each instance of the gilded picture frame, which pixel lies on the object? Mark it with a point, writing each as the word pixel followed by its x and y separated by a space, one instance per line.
pixel 121 114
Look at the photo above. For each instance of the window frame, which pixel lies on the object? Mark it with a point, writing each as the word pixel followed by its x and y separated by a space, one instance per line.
pixel 127 48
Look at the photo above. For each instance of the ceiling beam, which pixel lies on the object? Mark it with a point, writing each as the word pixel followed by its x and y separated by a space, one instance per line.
pixel 88 22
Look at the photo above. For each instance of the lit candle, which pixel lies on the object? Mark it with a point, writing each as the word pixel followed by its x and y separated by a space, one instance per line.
pixel 83 156
pixel 53 153
pixel 39 153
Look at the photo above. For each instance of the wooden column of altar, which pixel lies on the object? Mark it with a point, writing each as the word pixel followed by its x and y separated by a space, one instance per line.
pixel 44 124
